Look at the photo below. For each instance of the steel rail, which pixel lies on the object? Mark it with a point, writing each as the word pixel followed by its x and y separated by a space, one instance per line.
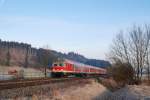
pixel 34 82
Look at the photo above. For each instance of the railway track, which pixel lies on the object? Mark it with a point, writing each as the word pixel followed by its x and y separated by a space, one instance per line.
pixel 33 82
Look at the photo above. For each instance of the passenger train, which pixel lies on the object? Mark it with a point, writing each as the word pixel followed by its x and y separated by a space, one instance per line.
pixel 68 68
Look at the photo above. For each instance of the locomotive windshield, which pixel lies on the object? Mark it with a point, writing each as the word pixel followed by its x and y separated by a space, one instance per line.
pixel 61 64
pixel 58 64
pixel 55 64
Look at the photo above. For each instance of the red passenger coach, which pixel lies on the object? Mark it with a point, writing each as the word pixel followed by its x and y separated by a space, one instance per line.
pixel 68 67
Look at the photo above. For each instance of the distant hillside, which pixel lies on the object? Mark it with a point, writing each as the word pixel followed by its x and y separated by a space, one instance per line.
pixel 82 59
pixel 22 54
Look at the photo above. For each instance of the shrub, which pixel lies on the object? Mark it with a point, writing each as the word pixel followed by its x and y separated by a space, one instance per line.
pixel 122 73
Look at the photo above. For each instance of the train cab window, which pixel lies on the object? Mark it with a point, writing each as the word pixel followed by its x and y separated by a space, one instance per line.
pixel 55 64
pixel 61 64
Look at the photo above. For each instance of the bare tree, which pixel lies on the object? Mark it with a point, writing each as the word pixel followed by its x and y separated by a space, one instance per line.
pixel 119 48
pixel 8 56
pixel 148 66
pixel 27 56
pixel 132 48
pixel 148 57
pixel 46 58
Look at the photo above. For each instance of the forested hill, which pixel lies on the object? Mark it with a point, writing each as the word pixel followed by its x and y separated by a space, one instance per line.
pixel 82 59
pixel 22 54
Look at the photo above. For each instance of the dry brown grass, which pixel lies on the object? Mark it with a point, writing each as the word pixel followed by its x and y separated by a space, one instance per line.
pixel 146 82
pixel 41 92
pixel 111 84
pixel 78 90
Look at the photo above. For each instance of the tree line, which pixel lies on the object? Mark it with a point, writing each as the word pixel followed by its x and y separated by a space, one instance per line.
pixel 32 57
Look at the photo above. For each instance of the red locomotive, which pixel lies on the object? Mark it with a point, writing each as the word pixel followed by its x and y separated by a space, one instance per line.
pixel 71 68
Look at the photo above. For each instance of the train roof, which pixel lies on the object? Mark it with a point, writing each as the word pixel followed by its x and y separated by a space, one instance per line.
pixel 81 64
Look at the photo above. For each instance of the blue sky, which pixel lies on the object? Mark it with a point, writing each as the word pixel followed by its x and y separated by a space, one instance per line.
pixel 83 26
